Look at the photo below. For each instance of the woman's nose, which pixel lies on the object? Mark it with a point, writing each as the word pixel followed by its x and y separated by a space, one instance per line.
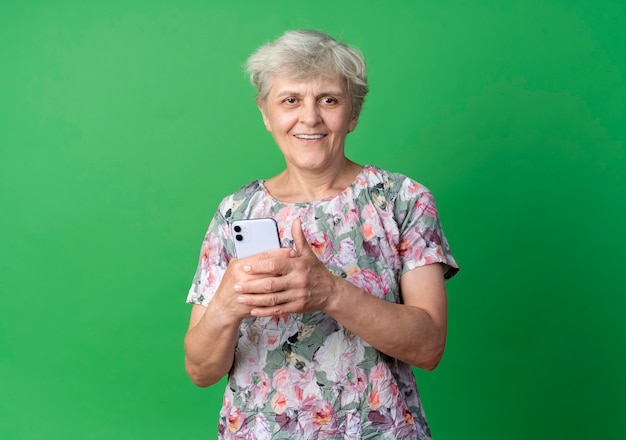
pixel 309 114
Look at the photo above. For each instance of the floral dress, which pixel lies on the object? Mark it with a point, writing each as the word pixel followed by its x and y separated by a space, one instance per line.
pixel 304 376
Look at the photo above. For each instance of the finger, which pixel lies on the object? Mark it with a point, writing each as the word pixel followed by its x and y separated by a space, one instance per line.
pixel 269 304
pixel 262 285
pixel 302 246
pixel 266 312
pixel 262 300
pixel 268 263
pixel 266 255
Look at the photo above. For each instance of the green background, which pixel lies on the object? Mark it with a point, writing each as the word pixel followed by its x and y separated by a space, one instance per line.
pixel 123 123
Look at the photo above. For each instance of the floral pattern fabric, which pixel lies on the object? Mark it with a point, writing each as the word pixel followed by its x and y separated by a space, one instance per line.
pixel 304 376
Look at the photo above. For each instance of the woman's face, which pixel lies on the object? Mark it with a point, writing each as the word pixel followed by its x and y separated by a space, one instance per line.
pixel 309 121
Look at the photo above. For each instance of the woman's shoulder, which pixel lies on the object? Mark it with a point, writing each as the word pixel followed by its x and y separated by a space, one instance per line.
pixel 391 183
pixel 242 195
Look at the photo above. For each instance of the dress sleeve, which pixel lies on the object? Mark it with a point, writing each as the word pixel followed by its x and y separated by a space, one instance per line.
pixel 214 257
pixel 422 240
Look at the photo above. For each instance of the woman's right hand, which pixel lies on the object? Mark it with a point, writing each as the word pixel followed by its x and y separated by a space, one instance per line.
pixel 238 272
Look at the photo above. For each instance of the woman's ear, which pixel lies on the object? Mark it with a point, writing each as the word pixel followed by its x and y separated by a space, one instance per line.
pixel 261 106
pixel 353 122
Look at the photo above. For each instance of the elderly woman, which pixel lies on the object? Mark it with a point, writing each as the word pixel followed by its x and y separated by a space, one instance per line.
pixel 319 337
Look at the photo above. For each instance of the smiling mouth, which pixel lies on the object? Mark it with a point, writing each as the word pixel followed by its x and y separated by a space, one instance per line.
pixel 309 136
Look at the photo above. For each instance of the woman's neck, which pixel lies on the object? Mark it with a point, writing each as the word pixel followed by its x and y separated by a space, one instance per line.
pixel 297 185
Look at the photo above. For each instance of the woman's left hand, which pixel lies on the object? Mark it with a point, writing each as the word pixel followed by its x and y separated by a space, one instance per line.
pixel 293 285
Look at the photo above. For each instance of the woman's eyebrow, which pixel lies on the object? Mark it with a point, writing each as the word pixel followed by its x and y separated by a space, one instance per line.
pixel 319 95
pixel 287 93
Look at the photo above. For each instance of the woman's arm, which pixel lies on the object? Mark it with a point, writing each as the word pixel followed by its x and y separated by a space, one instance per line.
pixel 213 330
pixel 209 344
pixel 414 332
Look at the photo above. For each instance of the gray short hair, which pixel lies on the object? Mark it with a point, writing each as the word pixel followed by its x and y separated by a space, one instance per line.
pixel 302 55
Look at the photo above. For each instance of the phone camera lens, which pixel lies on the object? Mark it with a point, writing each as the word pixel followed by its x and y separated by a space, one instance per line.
pixel 237 228
pixel 238 237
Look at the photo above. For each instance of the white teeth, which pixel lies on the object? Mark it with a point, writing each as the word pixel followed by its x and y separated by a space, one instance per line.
pixel 309 136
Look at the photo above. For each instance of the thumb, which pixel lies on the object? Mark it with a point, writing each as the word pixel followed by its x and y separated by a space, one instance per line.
pixel 302 246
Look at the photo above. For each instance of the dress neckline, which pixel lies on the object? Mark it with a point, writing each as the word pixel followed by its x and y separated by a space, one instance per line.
pixel 359 177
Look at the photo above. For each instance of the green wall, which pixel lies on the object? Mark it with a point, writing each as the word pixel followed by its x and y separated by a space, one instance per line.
pixel 123 123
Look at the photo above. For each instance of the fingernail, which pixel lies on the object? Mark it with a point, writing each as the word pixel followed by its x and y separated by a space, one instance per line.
pixel 246 268
pixel 292 253
pixel 237 288
pixel 241 299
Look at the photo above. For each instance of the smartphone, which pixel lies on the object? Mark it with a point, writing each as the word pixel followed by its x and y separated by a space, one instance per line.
pixel 254 236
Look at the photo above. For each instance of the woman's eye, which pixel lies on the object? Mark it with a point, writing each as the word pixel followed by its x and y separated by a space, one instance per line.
pixel 290 100
pixel 329 101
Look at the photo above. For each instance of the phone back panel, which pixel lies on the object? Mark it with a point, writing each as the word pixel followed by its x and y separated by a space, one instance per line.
pixel 254 236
